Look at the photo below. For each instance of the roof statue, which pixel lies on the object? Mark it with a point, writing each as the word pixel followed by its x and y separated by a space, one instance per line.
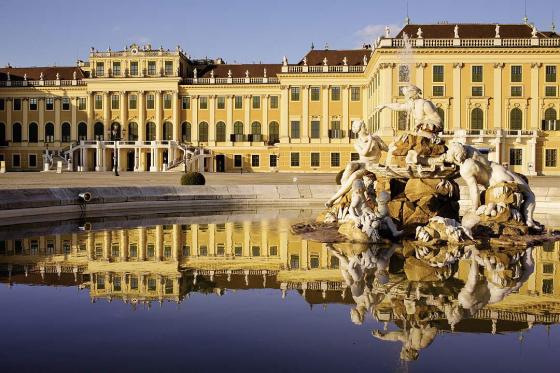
pixel 456 32
pixel 497 31
pixel 419 33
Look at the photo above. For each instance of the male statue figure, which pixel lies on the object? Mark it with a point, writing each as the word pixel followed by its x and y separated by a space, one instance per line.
pixel 423 113
pixel 476 170
pixel 369 148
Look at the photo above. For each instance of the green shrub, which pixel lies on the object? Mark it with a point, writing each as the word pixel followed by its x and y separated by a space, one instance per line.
pixel 338 177
pixel 193 178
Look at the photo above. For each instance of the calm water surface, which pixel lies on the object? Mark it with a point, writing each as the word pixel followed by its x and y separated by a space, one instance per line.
pixel 239 292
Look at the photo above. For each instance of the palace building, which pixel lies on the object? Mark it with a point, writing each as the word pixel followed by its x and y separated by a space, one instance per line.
pixel 495 87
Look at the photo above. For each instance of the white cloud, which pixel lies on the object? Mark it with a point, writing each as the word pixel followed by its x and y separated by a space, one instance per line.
pixel 370 33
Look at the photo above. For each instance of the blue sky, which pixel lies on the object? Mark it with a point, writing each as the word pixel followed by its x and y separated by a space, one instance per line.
pixel 38 33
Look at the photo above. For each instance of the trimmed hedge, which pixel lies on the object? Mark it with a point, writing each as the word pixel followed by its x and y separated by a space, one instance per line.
pixel 193 178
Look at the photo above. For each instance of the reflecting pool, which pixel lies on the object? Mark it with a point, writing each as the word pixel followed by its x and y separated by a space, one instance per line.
pixel 239 292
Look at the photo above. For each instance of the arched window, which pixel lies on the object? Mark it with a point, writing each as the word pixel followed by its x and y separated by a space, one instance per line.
pixel 150 131
pixel 98 130
pixel 516 119
pixel 167 131
pixel 2 134
pixel 256 128
pixel 273 132
pixel 65 132
pixel 220 131
pixel 82 131
pixel 49 132
pixel 186 132
pixel 115 131
pixel 203 132
pixel 550 114
pixel 441 114
pixel 477 119
pixel 238 128
pixel 132 131
pixel 33 132
pixel 16 132
pixel 402 124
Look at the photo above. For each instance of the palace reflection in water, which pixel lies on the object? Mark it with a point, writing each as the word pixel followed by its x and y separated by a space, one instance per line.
pixel 496 291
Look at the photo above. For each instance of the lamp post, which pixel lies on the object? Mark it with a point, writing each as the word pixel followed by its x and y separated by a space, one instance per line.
pixel 115 138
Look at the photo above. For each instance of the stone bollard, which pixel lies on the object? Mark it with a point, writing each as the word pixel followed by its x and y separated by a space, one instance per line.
pixel 2 167
pixel 59 167
pixel 46 166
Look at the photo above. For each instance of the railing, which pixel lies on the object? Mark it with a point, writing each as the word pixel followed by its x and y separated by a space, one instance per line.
pixel 315 69
pixel 249 80
pixel 553 42
pixel 37 83
pixel 139 53
pixel 477 42
pixel 295 69
pixel 516 42
pixel 470 43
pixel 550 125
pixel 356 69
pixel 336 69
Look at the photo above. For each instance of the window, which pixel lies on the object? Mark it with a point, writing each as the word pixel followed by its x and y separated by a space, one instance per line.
pixel 167 252
pixel 294 159
pixel 315 159
pixel 33 132
pixel 441 114
pixel 256 130
pixel 65 131
pixel 2 103
pixel 315 93
pixel 168 67
pixel 550 74
pixel 115 250
pixel 550 91
pixel 548 286
pixel 238 128
pixel 151 67
pixel 477 119
pixel 551 156
pixel 99 69
pixel 294 93
pixel 404 73
pixel 548 268
pixel 335 93
pixel 273 160
pixel 81 103
pixel 98 131
pixel 186 251
pixel 167 101
pixel 33 104
pixel 238 250
pixel 476 74
pixel 221 103
pixel 294 261
pixel 437 90
pixel 116 68
pixel 550 123
pixel 16 132
pixel 516 119
pixel 32 160
pixel 115 102
pixel 256 102
pixel 314 261
pixel 17 104
pixel 355 93
pixel 150 251
pixel 133 102
pixel 150 101
pixel 401 90
pixel 437 73
pixel 402 121
pixel 100 282
pixel 65 103
pixel 516 73
pixel 98 102
pixel 132 131
pixel 203 132
pixel 186 132
pixel 16 160
pixel 238 102
pixel 237 161
pixel 255 251
pixel 134 68
pixel 477 91
pixel 167 131
pixel 203 103
pixel 354 157
pixel 336 133
pixel 273 250
pixel 185 102
pixel 335 159
pixel 516 91
pixel 273 132
pixel 315 129
pixel 515 157
pixel 49 103
pixel 294 126
pixel 220 131
pixel 274 102
pixel 255 160
pixel 49 132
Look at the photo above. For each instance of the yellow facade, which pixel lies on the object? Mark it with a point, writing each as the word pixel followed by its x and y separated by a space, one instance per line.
pixel 498 93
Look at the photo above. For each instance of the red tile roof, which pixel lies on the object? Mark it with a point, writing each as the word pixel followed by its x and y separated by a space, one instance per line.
pixel 238 70
pixel 473 31
pixel 354 57
pixel 34 73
